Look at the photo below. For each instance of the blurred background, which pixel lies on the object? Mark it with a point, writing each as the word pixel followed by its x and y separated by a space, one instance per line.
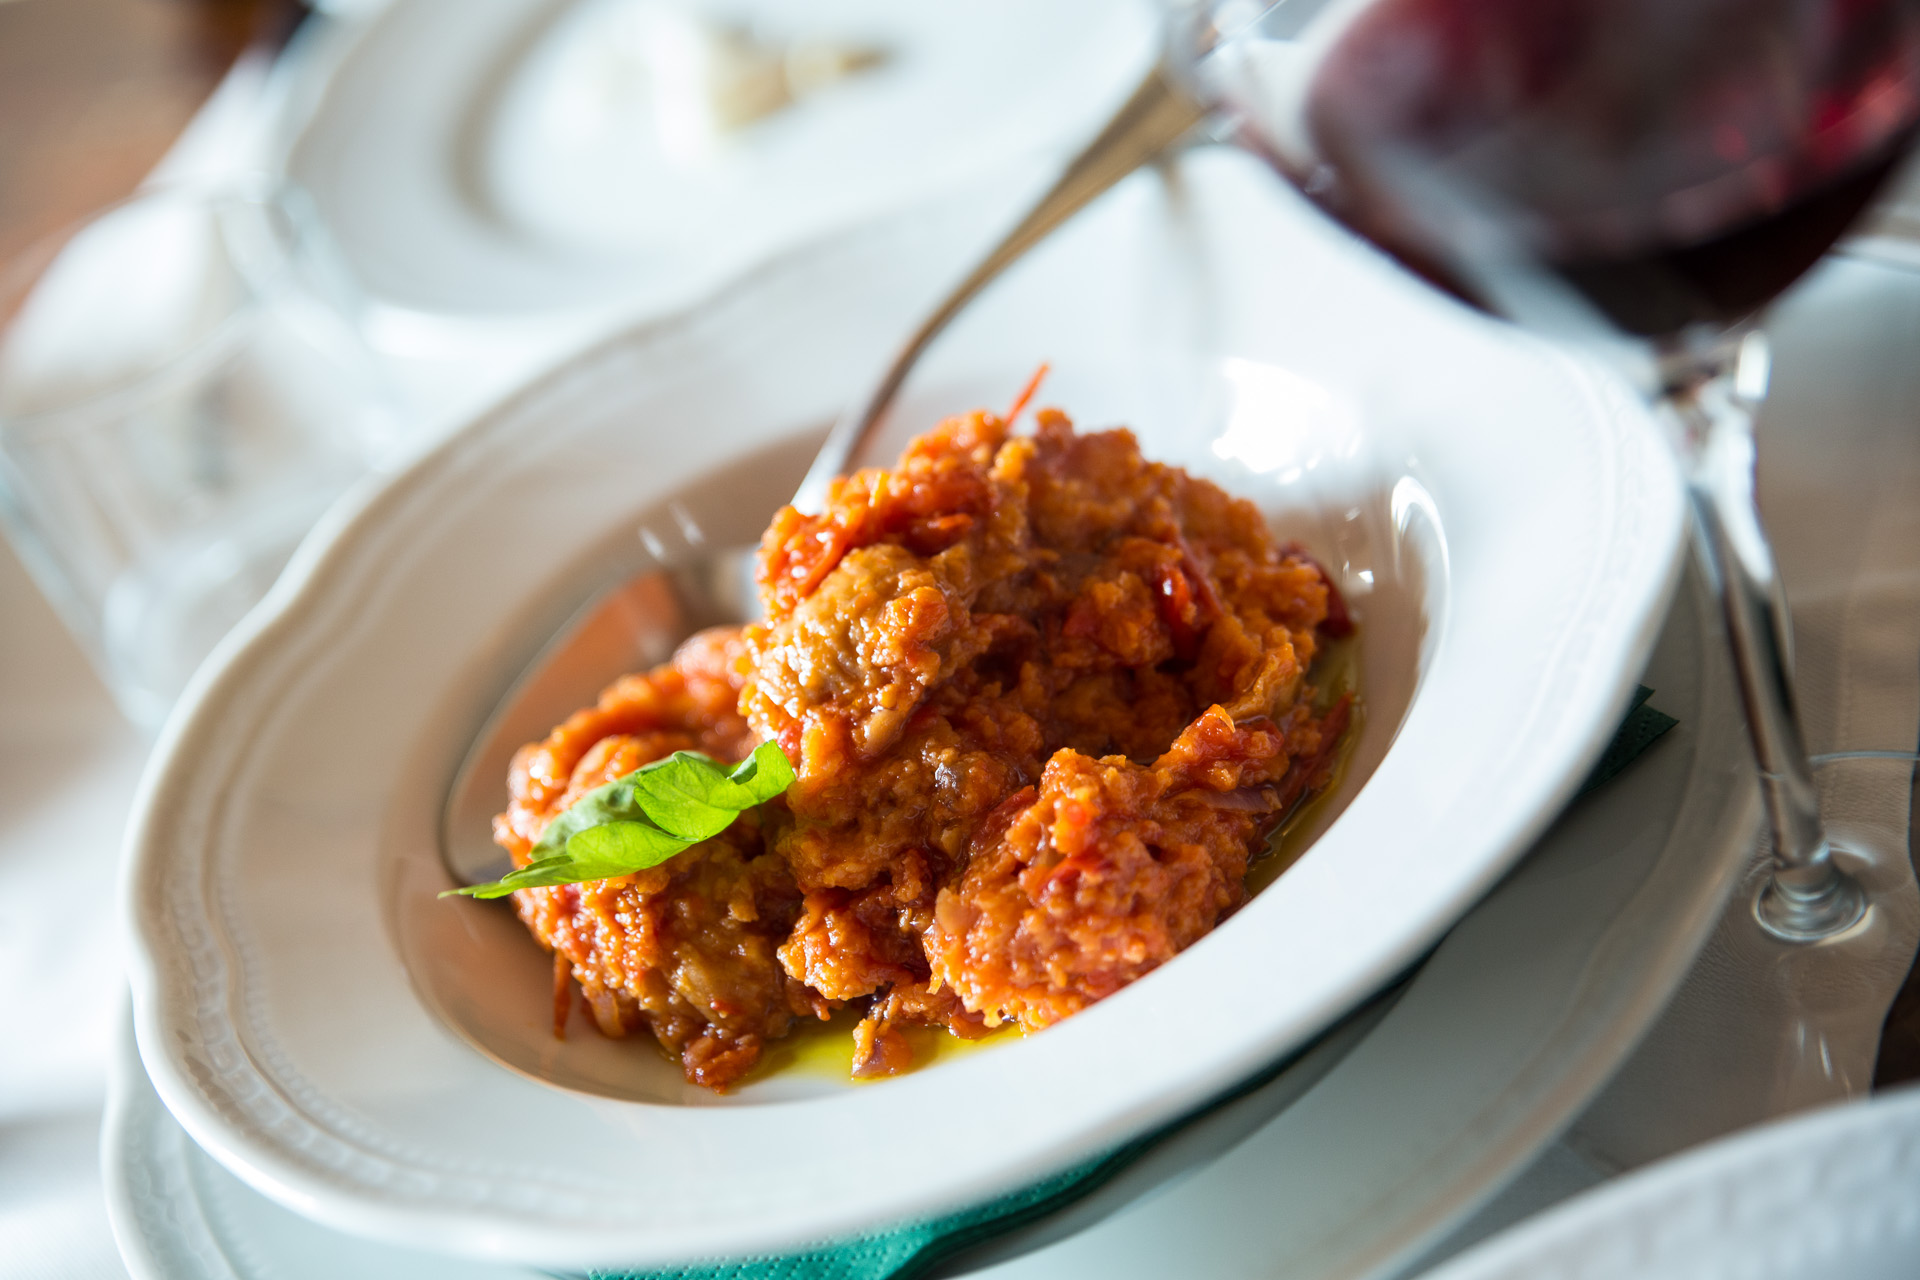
pixel 361 221
pixel 93 92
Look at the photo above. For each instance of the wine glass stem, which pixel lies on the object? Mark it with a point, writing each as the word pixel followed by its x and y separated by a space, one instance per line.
pixel 1714 396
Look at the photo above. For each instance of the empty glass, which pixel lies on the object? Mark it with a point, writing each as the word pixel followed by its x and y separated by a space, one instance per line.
pixel 182 391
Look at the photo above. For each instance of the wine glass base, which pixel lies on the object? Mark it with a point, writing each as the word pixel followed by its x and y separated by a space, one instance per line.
pixel 1798 916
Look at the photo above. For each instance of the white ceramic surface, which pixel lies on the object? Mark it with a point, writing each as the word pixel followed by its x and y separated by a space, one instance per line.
pixel 177 1215
pixel 1829 1194
pixel 1528 1003
pixel 483 158
pixel 291 969
pixel 1526 1008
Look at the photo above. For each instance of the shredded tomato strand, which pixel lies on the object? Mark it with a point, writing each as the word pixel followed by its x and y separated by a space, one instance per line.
pixel 562 993
pixel 1028 392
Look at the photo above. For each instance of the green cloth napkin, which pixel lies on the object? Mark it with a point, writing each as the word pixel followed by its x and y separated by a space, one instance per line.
pixel 903 1252
pixel 1636 733
pixel 911 1250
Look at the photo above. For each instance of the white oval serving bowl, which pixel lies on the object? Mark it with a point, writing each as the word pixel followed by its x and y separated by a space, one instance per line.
pixel 1508 523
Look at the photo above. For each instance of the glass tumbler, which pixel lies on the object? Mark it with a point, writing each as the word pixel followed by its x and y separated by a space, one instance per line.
pixel 183 390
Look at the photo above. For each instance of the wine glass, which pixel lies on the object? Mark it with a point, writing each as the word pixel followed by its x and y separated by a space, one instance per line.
pixel 1640 176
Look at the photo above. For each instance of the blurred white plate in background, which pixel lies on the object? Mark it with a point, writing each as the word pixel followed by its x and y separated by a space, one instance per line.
pixel 489 157
pixel 1834 1193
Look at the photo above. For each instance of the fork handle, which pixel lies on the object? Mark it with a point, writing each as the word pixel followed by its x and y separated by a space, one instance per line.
pixel 1158 114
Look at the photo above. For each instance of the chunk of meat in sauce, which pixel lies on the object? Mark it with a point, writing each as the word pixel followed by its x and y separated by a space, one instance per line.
pixel 1044 699
pixel 1107 869
pixel 1001 614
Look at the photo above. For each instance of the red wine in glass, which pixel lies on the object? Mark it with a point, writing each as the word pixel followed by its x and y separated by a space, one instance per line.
pixel 1676 163
pixel 1654 169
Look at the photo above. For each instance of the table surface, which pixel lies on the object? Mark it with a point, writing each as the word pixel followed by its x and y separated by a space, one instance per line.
pixel 92 94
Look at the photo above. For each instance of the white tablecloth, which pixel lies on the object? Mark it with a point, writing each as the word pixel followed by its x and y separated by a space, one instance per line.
pixel 68 765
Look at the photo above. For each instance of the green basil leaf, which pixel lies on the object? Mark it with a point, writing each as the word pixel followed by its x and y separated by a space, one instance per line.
pixel 698 801
pixel 546 871
pixel 610 802
pixel 621 848
pixel 639 821
pixel 763 775
pixel 689 800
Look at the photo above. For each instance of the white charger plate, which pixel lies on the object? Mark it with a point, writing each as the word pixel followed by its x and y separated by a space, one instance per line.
pixel 1524 1008
pixel 1507 522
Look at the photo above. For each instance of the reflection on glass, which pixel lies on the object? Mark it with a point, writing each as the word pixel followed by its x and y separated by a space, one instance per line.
pixel 182 392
